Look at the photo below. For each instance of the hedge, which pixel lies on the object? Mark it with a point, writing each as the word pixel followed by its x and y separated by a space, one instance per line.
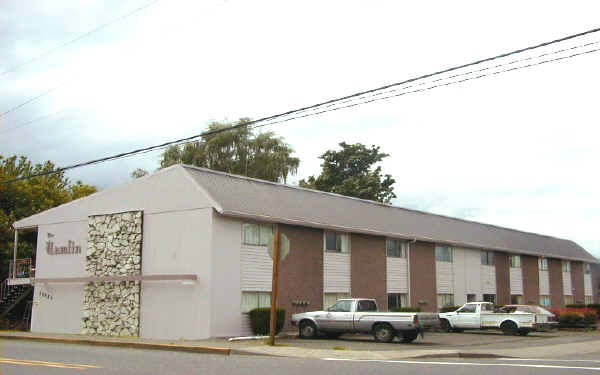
pixel 572 317
pixel 406 309
pixel 260 320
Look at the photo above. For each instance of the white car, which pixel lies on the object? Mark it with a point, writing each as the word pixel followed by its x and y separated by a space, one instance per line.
pixel 481 315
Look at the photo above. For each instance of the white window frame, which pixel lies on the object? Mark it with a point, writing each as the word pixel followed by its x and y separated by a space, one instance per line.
pixel 588 300
pixel 545 301
pixel 262 241
pixel 262 298
pixel 569 299
pixel 566 266
pixel 439 257
pixel 515 261
pixel 392 246
pixel 543 264
pixel 445 299
pixel 344 242
pixel 402 298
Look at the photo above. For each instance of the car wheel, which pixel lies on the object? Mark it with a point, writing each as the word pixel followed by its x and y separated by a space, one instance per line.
pixel 384 333
pixel 509 328
pixel 409 336
pixel 307 330
pixel 445 325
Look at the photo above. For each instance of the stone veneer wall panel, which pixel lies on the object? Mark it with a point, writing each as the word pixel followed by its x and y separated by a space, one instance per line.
pixel 502 278
pixel 301 272
pixel 556 283
pixel 368 268
pixel 114 249
pixel 577 282
pixel 423 286
pixel 531 279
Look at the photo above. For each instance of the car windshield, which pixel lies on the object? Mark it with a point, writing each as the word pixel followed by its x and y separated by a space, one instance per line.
pixel 341 306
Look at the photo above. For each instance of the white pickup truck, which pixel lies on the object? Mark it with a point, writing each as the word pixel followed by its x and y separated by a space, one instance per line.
pixel 481 315
pixel 360 315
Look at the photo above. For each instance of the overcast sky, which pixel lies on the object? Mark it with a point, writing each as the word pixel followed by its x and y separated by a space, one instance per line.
pixel 519 149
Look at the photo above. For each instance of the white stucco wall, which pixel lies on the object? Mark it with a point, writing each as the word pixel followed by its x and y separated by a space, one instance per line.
pixel 516 281
pixel 57 307
pixel 567 284
pixel 176 243
pixel 467 269
pixel 226 298
pixel 544 283
pixel 397 275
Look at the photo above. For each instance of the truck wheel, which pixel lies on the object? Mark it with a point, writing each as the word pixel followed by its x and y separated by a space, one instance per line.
pixel 509 328
pixel 445 325
pixel 307 330
pixel 409 336
pixel 384 333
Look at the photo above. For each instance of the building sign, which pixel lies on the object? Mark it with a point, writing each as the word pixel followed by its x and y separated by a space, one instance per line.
pixel 71 247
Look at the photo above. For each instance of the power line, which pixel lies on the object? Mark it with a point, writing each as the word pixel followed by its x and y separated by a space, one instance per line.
pixel 428 88
pixel 78 38
pixel 37 119
pixel 284 114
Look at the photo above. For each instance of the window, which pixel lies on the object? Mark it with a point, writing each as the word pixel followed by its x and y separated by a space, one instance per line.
pixel 566 266
pixel 396 248
pixel 569 300
pixel 253 300
pixel 443 253
pixel 468 308
pixel 515 261
pixel 329 299
pixel 516 299
pixel 587 268
pixel 487 307
pixel 396 300
pixel 545 301
pixel 445 300
pixel 471 297
pixel 336 242
pixel 543 263
pixel 589 300
pixel 366 306
pixel 487 258
pixel 257 234
pixel 489 298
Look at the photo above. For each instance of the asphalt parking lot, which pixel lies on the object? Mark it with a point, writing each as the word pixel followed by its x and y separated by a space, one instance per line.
pixel 437 340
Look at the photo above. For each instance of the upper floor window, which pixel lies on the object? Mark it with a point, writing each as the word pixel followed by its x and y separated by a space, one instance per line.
pixel 487 258
pixel 396 248
pixel 443 253
pixel 566 266
pixel 336 242
pixel 257 234
pixel 543 263
pixel 587 268
pixel 515 261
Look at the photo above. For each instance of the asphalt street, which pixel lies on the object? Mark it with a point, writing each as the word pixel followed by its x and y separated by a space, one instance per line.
pixel 25 357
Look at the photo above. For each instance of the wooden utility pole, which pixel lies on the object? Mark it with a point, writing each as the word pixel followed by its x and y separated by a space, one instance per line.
pixel 274 289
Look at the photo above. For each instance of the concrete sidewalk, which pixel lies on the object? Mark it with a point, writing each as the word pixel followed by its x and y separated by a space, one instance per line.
pixel 291 347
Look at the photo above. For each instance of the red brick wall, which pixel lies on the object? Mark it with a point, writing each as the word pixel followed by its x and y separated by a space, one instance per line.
pixel 577 282
pixel 556 283
pixel 301 272
pixel 422 276
pixel 502 278
pixel 531 279
pixel 368 268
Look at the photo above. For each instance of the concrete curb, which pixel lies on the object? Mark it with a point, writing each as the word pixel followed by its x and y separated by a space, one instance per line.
pixel 123 344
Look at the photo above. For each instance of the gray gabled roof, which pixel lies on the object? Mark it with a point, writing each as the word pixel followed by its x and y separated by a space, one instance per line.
pixel 262 200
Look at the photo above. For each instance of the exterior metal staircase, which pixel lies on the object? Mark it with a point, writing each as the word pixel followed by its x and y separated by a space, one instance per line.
pixel 11 295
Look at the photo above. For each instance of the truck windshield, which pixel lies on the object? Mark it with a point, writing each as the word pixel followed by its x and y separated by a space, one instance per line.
pixel 341 306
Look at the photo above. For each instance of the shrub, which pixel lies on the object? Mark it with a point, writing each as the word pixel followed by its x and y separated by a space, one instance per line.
pixel 590 318
pixel 576 306
pixel 260 320
pixel 570 319
pixel 449 308
pixel 406 309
